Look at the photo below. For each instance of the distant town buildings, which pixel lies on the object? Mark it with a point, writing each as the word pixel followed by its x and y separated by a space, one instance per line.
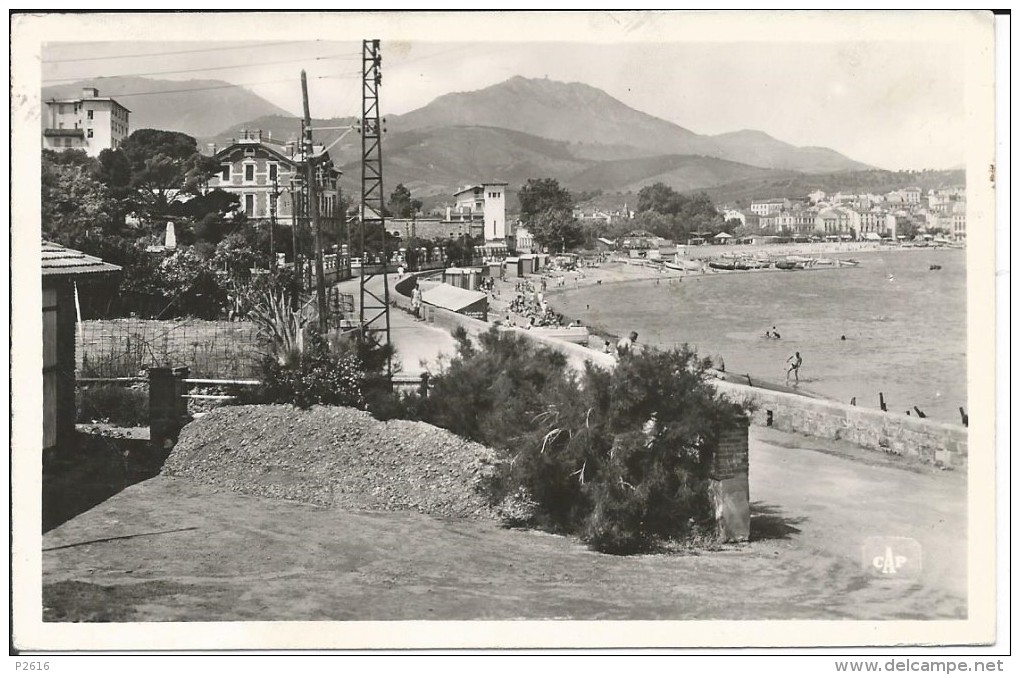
pixel 268 178
pixel 88 123
pixel 939 214
pixel 764 207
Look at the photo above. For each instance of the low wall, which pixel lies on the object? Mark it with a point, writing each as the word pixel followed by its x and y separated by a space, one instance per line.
pixel 933 442
pixel 576 354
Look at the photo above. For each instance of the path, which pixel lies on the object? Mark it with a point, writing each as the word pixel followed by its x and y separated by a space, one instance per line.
pixel 209 554
pixel 416 341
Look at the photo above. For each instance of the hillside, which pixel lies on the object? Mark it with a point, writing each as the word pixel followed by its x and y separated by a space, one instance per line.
pixel 579 113
pixel 198 108
pixel 560 111
pixel 529 128
pixel 794 185
pixel 759 149
pixel 681 172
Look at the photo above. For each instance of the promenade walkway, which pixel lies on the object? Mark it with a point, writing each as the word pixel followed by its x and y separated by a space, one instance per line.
pixel 417 342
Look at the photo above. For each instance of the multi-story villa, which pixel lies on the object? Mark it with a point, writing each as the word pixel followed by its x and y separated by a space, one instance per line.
pixel 89 123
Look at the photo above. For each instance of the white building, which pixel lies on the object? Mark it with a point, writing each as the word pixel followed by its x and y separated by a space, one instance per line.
pixel 89 123
pixel 735 214
pixel 486 202
pixel 764 207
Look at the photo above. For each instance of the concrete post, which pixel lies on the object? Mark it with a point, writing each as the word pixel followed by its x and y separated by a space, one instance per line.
pixel 168 409
pixel 729 484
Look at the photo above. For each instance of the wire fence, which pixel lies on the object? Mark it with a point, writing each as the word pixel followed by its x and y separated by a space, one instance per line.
pixel 126 347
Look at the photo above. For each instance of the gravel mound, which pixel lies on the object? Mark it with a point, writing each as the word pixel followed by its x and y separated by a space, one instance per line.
pixel 335 457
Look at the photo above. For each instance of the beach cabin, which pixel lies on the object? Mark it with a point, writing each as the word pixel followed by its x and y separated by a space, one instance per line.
pixel 62 269
pixel 527 262
pixel 460 300
pixel 722 238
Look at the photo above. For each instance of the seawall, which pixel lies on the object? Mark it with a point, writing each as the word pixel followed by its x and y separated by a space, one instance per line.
pixel 932 442
pixel 926 440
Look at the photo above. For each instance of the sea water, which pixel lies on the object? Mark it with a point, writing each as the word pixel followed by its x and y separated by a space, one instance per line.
pixel 905 325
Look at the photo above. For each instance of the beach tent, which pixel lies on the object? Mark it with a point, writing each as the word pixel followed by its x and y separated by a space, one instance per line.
pixel 872 236
pixel 460 300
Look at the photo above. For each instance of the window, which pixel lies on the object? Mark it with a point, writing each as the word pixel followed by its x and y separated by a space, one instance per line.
pixel 90 114
pixel 272 172
pixel 249 172
pixel 249 205
pixel 225 173
pixel 89 133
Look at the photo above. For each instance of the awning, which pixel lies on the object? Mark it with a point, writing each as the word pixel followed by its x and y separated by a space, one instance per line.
pixel 453 298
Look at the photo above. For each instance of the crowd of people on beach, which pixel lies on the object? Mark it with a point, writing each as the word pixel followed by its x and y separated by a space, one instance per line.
pixel 531 308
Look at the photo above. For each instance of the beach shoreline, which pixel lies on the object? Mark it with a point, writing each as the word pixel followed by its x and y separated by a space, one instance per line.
pixel 626 272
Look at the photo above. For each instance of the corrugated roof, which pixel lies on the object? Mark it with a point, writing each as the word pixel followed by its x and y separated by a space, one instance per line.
pixel 451 297
pixel 60 261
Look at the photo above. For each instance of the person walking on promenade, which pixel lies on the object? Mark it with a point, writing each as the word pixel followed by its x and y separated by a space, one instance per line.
pixel 625 347
pixel 794 368
pixel 416 302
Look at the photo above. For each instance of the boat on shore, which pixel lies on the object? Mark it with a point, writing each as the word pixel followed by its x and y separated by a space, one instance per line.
pixel 683 265
pixel 723 264
pixel 790 265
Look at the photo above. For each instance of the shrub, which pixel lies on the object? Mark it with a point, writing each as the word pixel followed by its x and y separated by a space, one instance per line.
pixel 124 406
pixel 319 375
pixel 620 458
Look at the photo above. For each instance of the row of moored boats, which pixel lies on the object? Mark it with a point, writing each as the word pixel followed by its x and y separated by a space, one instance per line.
pixel 791 262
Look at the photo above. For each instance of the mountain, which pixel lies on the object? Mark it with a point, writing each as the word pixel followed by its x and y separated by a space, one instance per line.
pixel 196 107
pixel 579 113
pixel 759 149
pixel 531 128
pixel 681 172
pixel 559 111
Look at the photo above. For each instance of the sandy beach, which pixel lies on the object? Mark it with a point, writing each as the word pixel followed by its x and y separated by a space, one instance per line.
pixel 723 313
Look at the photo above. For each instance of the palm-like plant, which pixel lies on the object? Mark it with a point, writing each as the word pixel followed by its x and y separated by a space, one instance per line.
pixel 281 327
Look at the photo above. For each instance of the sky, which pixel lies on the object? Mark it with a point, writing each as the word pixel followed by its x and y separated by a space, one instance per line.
pixel 891 104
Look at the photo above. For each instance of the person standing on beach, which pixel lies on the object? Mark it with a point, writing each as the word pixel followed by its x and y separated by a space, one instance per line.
pixel 794 368
pixel 625 347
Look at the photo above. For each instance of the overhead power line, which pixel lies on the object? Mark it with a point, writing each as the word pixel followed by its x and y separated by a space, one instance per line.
pixel 228 86
pixel 181 51
pixel 209 68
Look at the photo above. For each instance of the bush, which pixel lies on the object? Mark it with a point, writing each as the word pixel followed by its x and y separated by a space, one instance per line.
pixel 320 375
pixel 620 458
pixel 124 406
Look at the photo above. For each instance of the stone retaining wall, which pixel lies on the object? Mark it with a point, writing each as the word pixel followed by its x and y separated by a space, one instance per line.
pixel 933 442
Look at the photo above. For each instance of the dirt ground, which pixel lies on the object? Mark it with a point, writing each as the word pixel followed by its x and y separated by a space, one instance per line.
pixel 172 550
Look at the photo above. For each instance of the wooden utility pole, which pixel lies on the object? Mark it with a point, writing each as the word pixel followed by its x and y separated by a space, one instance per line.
pixel 272 223
pixel 313 208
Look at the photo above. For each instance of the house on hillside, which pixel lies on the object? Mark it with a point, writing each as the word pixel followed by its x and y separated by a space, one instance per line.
pixel 269 178
pixel 88 123
pixel 765 207
pixel 62 269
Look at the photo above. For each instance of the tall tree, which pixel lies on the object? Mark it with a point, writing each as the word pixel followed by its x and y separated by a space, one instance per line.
pixel 401 203
pixel 556 230
pixel 75 204
pixel 166 167
pixel 543 194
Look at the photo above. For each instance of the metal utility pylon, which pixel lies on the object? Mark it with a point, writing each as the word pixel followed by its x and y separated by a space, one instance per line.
pixel 374 308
